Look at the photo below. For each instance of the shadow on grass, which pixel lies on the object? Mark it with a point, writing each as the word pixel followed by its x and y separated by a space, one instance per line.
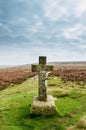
pixel 29 121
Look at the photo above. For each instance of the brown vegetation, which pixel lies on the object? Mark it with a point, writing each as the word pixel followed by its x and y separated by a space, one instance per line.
pixel 14 75
pixel 70 73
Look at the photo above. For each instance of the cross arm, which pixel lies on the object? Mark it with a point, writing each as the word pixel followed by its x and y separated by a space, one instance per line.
pixel 49 68
pixel 34 68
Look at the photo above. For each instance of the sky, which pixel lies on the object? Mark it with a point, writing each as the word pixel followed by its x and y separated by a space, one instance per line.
pixel 33 28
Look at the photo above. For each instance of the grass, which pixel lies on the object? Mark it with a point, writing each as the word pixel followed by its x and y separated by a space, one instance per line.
pixel 15 106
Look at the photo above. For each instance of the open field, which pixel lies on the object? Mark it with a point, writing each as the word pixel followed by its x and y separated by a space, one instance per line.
pixel 15 106
pixel 70 99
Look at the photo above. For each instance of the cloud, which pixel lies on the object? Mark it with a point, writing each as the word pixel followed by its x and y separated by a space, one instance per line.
pixel 5 28
pixel 83 46
pixel 60 54
pixel 20 21
pixel 37 27
pixel 81 8
pixel 31 54
pixel 55 28
pixel 54 10
pixel 80 45
pixel 1 12
pixel 75 31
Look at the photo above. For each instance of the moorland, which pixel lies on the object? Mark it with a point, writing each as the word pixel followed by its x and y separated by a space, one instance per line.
pixel 67 83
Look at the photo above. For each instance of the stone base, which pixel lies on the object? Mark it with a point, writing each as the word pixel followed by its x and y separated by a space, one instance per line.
pixel 43 107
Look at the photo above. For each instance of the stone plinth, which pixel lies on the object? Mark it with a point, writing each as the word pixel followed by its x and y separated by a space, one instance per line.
pixel 43 107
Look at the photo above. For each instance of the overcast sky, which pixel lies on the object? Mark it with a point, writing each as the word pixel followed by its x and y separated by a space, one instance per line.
pixel 52 28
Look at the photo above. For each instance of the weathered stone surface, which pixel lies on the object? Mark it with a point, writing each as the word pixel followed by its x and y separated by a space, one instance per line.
pixel 43 104
pixel 42 60
pixel 43 107
pixel 49 68
pixel 42 69
pixel 42 86
pixel 34 68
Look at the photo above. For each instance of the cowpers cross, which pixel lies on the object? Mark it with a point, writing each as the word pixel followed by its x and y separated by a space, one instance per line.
pixel 42 69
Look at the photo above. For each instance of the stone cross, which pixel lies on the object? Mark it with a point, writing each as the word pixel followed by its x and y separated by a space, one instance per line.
pixel 42 69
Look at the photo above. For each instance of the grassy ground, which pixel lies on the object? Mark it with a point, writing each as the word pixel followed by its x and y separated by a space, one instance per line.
pixel 15 105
